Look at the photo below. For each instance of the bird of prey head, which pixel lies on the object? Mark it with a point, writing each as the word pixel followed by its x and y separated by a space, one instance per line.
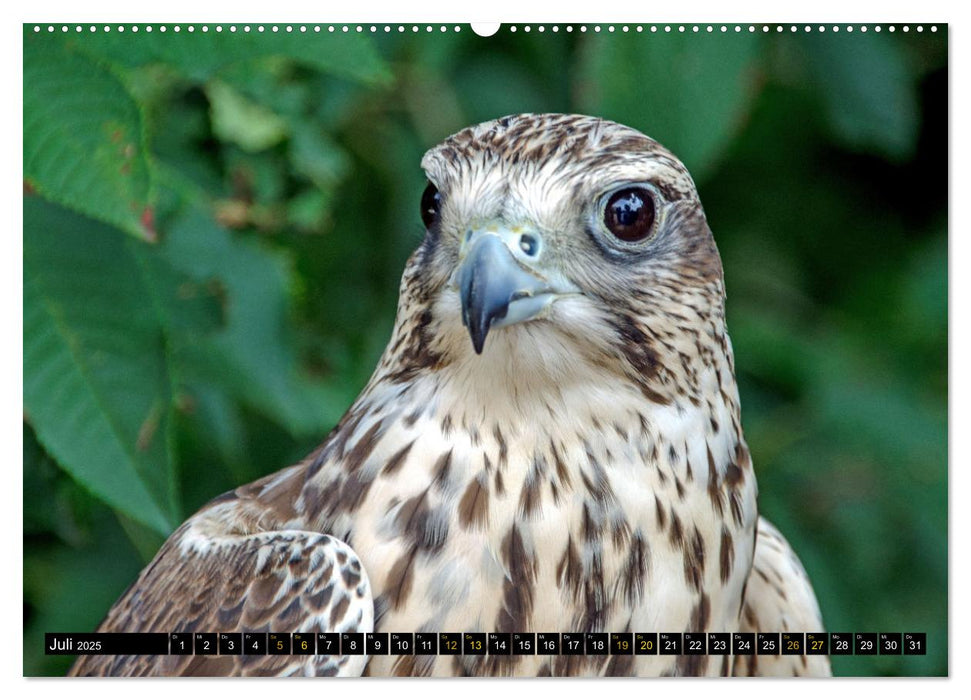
pixel 554 240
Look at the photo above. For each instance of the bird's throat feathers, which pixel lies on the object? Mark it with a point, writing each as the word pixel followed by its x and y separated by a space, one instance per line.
pixel 611 390
pixel 666 346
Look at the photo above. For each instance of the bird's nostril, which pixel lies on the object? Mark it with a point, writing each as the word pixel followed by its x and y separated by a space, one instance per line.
pixel 529 244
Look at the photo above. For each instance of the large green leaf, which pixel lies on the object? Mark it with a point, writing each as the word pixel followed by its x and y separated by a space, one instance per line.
pixel 254 356
pixel 103 316
pixel 200 55
pixel 689 92
pixel 83 140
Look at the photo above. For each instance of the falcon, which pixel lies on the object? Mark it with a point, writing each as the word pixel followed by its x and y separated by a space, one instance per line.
pixel 551 442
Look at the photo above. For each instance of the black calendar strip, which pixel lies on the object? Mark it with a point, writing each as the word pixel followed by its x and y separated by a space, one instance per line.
pixel 491 643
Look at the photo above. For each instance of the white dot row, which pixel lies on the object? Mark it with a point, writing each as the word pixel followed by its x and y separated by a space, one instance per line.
pixel 374 29
pixel 708 28
pixel 301 28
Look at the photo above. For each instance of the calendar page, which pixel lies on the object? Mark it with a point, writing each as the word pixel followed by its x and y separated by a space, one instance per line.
pixel 545 349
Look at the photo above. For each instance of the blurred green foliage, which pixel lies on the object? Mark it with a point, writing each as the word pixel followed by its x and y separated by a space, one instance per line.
pixel 215 225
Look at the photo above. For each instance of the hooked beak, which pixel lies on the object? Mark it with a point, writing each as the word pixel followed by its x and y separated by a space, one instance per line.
pixel 499 283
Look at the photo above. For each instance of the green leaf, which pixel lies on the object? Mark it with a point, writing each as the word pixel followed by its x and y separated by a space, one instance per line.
pixel 216 419
pixel 238 120
pixel 869 89
pixel 83 139
pixel 47 496
pixel 688 92
pixel 201 55
pixel 103 316
pixel 253 358
pixel 308 209
pixel 316 156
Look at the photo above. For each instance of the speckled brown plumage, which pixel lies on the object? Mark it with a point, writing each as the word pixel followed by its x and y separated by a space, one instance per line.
pixel 582 470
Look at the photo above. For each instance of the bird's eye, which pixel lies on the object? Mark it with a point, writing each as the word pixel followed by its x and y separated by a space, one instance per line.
pixel 431 202
pixel 629 214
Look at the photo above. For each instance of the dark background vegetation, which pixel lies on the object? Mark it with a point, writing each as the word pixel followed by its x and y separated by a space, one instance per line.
pixel 215 225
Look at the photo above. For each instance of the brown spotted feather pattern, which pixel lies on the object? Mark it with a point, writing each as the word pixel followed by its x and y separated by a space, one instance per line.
pixel 586 472
pixel 279 581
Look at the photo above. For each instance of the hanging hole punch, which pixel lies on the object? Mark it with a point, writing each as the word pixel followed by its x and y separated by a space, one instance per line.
pixel 486 29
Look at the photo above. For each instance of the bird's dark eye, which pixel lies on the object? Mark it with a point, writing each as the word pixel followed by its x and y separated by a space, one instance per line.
pixel 431 202
pixel 629 214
